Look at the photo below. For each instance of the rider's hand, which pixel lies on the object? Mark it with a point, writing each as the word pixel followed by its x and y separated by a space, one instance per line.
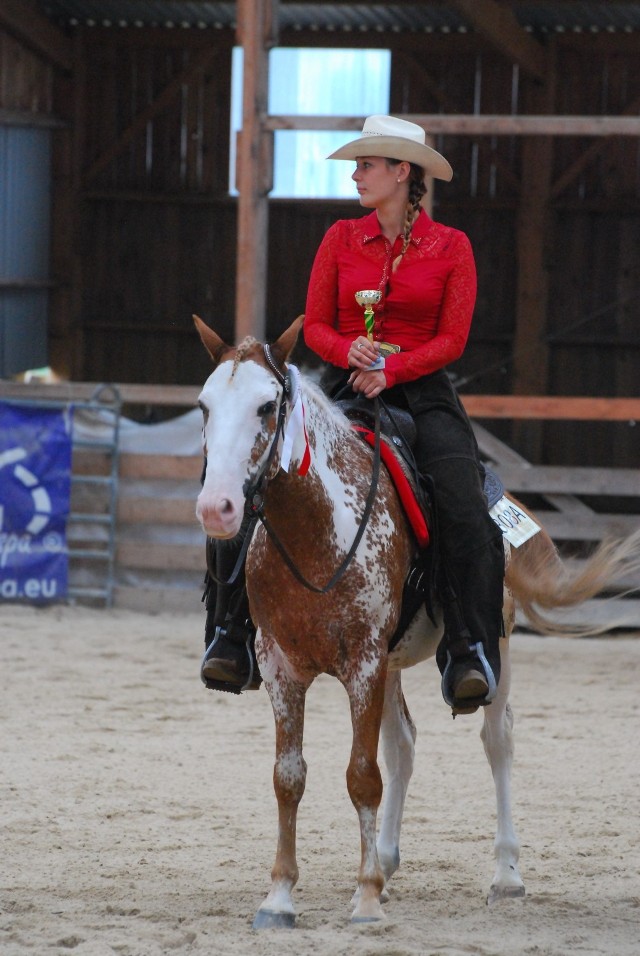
pixel 362 353
pixel 367 382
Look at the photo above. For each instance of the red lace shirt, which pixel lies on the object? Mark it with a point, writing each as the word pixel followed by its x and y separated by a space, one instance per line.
pixel 426 306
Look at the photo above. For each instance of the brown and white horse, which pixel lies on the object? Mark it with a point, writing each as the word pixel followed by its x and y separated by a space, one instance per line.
pixel 314 516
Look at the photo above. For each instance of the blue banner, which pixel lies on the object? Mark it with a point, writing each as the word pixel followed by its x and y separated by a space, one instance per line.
pixel 35 488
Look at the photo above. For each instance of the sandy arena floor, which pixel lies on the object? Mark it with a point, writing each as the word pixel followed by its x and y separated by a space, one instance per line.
pixel 138 815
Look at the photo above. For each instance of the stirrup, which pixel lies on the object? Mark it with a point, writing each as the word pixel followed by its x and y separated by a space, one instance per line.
pixel 253 680
pixel 468 705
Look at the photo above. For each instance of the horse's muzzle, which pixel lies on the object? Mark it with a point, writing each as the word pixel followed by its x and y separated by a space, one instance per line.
pixel 219 517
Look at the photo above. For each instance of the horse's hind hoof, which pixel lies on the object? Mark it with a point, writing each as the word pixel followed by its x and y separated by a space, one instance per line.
pixel 497 893
pixel 268 919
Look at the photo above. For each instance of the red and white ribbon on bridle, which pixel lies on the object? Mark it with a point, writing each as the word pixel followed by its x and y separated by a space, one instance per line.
pixel 295 426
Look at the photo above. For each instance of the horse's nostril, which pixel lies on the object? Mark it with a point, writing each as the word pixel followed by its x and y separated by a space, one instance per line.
pixel 226 506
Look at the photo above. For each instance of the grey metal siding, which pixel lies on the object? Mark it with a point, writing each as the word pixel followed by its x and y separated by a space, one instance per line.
pixel 25 203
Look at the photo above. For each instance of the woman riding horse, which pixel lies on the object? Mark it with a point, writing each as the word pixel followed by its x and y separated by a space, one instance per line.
pixel 425 275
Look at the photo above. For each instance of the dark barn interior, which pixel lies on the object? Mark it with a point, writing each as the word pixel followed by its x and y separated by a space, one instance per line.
pixel 133 98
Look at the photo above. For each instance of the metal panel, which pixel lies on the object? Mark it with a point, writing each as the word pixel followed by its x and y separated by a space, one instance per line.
pixel 538 17
pixel 25 203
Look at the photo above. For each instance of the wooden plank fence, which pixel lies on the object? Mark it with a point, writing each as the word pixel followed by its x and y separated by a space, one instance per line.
pixel 567 518
pixel 160 547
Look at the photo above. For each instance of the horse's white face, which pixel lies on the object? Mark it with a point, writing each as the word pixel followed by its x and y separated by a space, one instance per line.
pixel 239 409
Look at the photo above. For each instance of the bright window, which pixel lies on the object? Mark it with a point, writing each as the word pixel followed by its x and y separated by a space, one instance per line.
pixel 315 82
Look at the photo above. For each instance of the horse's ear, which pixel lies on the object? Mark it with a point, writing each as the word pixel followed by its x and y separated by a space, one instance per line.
pixel 212 342
pixel 282 349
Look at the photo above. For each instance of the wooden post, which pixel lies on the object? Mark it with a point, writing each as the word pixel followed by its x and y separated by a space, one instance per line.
pixel 66 331
pixel 530 349
pixel 529 346
pixel 427 199
pixel 257 29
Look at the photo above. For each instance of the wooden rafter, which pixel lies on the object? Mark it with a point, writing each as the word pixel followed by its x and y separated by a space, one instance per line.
pixel 22 19
pixel 498 24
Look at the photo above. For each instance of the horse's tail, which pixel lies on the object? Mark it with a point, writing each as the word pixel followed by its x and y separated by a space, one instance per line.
pixel 540 581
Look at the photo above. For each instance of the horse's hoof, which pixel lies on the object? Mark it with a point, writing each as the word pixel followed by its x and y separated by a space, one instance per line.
pixel 497 893
pixel 371 912
pixel 268 919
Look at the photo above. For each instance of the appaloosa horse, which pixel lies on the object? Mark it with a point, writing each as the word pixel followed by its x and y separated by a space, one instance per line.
pixel 276 442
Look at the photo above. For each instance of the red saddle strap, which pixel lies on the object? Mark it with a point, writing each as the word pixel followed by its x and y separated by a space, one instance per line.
pixel 406 494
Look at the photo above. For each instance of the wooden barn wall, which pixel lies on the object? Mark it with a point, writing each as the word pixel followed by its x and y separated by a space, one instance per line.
pixel 594 292
pixel 26 81
pixel 157 239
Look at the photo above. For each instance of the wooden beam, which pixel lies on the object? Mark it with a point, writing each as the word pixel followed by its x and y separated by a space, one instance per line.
pixel 25 118
pixel 179 395
pixel 543 407
pixel 23 20
pixel 497 23
pixel 199 63
pixel 549 407
pixel 256 32
pixel 559 479
pixel 496 124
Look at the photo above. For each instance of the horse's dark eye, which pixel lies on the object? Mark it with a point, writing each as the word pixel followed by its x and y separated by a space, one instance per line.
pixel 267 409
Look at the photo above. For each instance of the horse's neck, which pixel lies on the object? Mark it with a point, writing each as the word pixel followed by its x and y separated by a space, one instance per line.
pixel 326 431
pixel 325 481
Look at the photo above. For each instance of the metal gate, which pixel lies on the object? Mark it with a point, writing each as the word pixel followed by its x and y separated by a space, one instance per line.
pixel 91 530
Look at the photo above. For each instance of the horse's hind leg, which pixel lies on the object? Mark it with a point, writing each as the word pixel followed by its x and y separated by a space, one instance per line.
pixel 289 777
pixel 498 744
pixel 398 735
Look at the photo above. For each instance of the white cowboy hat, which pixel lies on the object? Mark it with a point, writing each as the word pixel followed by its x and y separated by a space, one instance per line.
pixel 396 138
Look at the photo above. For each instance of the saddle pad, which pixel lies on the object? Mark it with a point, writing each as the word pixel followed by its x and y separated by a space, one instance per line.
pixel 411 507
pixel 493 487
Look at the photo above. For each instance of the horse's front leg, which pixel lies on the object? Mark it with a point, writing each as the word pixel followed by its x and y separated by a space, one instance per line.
pixel 289 776
pixel 364 782
pixel 497 738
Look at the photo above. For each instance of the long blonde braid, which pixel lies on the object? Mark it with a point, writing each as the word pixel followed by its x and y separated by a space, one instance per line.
pixel 417 189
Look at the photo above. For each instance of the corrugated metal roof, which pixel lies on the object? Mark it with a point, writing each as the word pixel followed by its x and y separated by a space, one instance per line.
pixel 544 16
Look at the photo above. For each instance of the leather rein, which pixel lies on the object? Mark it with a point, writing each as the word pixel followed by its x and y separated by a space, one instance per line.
pixel 255 494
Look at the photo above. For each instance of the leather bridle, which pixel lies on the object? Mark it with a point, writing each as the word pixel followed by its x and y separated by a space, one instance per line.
pixel 255 495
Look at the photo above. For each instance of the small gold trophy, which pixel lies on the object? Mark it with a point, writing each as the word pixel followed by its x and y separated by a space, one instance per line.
pixel 367 298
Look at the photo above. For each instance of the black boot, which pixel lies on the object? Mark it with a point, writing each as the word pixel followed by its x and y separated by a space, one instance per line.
pixel 468 680
pixel 469 653
pixel 229 662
